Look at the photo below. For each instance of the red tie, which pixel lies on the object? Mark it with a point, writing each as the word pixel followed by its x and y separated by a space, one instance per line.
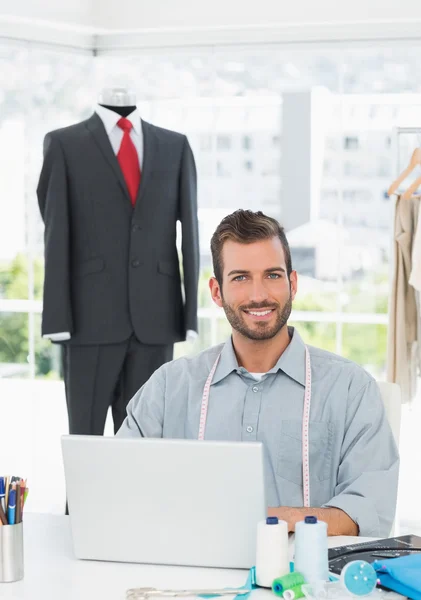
pixel 129 160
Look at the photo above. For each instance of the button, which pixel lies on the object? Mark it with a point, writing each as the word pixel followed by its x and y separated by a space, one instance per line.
pixel 136 227
pixel 255 389
pixel 135 263
pixel 249 429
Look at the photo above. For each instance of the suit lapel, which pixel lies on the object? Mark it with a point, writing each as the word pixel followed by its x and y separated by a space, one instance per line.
pixel 97 129
pixel 149 149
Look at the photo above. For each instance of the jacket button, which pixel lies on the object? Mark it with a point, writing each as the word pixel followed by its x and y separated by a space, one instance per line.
pixel 136 227
pixel 135 263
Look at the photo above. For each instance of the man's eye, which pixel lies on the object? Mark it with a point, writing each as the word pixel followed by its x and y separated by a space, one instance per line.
pixel 239 278
pixel 274 275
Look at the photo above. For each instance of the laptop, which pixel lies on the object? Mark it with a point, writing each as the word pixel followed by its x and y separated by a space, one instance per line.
pixel 164 501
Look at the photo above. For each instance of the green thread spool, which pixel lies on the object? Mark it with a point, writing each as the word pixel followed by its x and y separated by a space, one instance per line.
pixel 294 593
pixel 287 582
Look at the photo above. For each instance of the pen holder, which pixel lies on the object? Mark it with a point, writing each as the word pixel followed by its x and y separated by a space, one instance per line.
pixel 11 553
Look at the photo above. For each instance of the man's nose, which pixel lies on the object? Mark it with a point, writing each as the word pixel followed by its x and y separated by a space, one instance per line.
pixel 258 292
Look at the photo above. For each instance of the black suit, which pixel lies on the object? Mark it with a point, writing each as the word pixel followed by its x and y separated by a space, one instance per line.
pixel 112 276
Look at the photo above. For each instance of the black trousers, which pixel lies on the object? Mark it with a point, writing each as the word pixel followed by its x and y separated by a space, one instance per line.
pixel 99 377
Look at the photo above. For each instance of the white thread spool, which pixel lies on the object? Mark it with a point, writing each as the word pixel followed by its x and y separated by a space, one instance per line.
pixel 311 556
pixel 272 559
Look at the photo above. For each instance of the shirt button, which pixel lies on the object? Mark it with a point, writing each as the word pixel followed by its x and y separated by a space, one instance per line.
pixel 255 389
pixel 135 263
pixel 249 429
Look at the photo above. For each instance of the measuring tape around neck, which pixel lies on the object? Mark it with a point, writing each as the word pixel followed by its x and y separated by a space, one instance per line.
pixel 305 421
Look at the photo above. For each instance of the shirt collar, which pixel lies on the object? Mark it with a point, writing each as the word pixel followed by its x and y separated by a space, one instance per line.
pixel 227 362
pixel 291 361
pixel 111 118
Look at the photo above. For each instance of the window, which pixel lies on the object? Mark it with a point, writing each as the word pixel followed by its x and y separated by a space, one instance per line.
pixel 223 142
pixel 304 260
pixel 221 169
pixel 235 122
pixel 205 143
pixel 351 143
pixel 247 142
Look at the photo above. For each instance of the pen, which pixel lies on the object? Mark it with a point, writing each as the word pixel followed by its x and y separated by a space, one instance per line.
pixel 12 507
pixel 3 519
pixel 7 485
pixel 2 494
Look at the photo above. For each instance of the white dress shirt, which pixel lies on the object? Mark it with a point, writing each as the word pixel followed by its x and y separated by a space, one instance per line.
pixel 115 135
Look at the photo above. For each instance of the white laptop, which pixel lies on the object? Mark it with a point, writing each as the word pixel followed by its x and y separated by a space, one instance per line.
pixel 161 501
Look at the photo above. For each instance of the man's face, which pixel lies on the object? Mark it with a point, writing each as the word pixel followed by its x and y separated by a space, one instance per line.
pixel 256 293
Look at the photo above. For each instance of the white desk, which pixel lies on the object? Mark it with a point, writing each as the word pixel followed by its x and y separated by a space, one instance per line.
pixel 52 572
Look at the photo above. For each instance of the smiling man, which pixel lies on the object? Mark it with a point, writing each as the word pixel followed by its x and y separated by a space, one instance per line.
pixel 327 442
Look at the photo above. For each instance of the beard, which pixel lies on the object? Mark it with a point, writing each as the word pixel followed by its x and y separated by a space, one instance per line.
pixel 260 330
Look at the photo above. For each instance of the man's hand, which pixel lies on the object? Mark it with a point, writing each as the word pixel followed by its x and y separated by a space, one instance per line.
pixel 338 522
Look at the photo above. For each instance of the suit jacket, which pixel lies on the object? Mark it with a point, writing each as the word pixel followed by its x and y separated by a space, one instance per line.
pixel 111 269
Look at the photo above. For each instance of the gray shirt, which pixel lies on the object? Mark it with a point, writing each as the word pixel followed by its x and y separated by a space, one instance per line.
pixel 354 461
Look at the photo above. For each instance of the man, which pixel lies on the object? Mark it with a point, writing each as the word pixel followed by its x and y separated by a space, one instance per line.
pixel 259 388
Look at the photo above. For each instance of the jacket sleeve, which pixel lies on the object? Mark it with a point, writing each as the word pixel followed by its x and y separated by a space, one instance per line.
pixel 190 234
pixel 52 192
pixel 368 473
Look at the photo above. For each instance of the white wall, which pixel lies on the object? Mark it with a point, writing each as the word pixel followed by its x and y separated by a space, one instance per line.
pixel 144 14
pixel 69 12
pixel 33 419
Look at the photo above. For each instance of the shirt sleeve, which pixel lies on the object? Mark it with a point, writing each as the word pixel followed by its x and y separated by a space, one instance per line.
pixel 145 411
pixel 368 472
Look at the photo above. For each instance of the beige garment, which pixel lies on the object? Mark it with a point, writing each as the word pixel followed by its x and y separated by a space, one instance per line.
pixel 402 354
pixel 415 277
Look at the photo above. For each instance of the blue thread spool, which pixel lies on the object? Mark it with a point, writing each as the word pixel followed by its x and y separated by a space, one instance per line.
pixel 311 557
pixel 359 578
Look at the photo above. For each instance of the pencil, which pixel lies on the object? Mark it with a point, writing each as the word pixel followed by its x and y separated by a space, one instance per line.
pixel 22 493
pixel 18 505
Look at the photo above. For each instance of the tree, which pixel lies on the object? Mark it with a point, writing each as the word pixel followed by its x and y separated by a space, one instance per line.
pixel 363 343
pixel 14 327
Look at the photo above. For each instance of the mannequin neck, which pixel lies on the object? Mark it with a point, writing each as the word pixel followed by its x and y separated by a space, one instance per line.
pixel 123 111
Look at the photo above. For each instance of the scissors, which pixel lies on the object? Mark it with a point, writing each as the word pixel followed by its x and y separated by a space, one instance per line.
pixel 147 592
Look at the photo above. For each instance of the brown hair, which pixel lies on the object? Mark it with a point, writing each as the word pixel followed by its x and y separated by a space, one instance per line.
pixel 246 227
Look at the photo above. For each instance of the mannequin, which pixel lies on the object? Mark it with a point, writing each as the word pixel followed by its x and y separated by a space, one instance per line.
pixel 118 307
pixel 119 100
pixel 123 102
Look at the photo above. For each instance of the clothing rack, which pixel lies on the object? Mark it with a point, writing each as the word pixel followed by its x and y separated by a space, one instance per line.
pixel 399 162
pixel 397 131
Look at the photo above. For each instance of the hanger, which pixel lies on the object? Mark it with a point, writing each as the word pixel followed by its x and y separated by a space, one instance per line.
pixel 411 190
pixel 415 160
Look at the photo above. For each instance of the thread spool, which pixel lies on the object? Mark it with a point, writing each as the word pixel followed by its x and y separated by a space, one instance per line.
pixel 311 555
pixel 293 593
pixel 272 558
pixel 287 582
